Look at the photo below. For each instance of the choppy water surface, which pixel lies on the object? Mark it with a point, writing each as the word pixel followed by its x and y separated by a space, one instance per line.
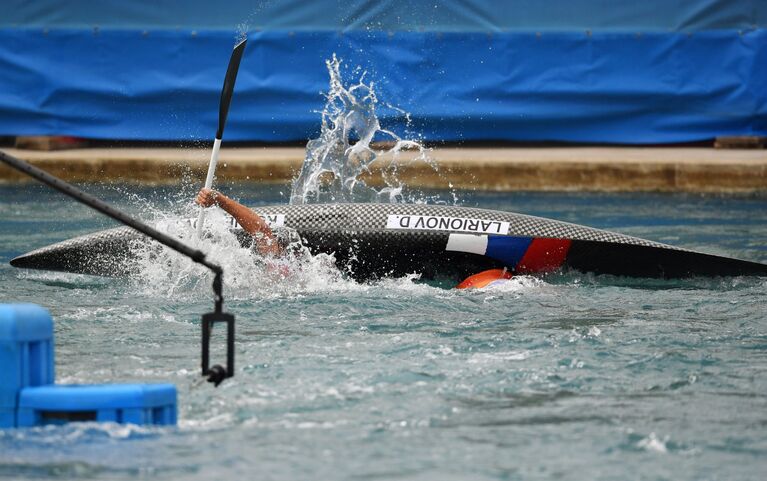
pixel 569 377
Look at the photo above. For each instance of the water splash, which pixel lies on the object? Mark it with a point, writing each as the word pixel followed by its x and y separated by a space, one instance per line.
pixel 163 273
pixel 340 160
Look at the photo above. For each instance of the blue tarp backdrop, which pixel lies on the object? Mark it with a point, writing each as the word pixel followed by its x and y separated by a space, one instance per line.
pixel 578 70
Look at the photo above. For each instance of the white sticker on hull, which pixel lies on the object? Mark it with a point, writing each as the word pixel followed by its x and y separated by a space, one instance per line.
pixel 475 244
pixel 434 222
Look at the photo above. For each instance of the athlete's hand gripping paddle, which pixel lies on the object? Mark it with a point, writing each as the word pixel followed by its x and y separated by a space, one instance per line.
pixel 223 110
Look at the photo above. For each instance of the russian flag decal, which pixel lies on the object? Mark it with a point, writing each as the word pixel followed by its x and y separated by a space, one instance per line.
pixel 525 255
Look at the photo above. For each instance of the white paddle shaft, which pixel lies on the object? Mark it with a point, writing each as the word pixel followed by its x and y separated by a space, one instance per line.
pixel 209 182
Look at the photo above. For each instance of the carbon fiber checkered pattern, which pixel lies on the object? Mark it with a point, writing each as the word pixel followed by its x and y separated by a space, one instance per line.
pixel 370 219
pixel 122 234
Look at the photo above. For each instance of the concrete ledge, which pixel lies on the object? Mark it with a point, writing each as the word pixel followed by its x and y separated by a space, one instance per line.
pixel 610 169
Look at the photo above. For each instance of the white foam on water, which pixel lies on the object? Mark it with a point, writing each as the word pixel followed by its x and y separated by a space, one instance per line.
pixel 485 358
pixel 77 432
pixel 516 284
pixel 654 444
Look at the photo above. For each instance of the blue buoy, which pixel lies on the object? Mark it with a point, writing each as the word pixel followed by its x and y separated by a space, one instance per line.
pixel 26 354
pixel 29 397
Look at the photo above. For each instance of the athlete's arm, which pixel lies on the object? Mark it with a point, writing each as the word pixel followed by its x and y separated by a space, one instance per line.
pixel 251 222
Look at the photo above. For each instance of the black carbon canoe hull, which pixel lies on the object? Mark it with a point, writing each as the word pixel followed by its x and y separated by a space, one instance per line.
pixel 378 240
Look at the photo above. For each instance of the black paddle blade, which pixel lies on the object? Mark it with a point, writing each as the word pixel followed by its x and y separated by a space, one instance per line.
pixel 226 92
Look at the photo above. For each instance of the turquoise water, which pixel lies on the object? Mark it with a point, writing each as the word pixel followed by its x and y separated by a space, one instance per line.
pixel 569 377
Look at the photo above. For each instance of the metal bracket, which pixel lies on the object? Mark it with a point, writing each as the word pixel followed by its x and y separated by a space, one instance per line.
pixel 217 373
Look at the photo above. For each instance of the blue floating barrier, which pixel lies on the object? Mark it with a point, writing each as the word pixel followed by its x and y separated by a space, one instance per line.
pixel 120 403
pixel 29 397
